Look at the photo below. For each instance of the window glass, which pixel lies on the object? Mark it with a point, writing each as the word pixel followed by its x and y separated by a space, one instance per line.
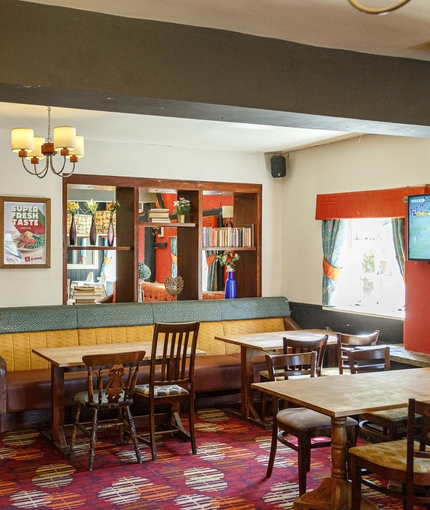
pixel 370 280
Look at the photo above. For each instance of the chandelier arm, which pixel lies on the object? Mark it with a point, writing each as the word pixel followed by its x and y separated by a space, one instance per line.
pixel 51 164
pixel 382 10
pixel 34 171
pixel 70 173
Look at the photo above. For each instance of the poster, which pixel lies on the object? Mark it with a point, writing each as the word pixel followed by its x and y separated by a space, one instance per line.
pixel 26 232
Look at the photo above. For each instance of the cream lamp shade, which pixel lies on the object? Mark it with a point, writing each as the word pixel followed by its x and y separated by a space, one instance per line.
pixel 79 151
pixel 22 139
pixel 227 211
pixel 64 138
pixel 37 151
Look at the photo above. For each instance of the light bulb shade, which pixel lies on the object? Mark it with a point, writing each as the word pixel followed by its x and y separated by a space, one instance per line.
pixel 64 138
pixel 22 139
pixel 227 211
pixel 79 151
pixel 37 151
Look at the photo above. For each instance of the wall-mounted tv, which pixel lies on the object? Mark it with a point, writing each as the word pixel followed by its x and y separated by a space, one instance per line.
pixel 419 227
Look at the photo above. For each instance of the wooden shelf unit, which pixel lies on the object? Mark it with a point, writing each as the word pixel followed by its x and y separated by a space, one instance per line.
pixel 247 210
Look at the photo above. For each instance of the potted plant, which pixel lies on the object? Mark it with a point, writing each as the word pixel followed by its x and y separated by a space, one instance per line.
pixel 144 274
pixel 183 207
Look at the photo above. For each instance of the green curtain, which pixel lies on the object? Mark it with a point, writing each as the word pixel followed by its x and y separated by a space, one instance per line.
pixel 333 240
pixel 398 225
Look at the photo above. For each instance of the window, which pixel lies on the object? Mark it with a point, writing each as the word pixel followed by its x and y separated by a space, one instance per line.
pixel 370 280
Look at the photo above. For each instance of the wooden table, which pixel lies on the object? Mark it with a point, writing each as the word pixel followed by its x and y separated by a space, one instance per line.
pixel 64 358
pixel 258 343
pixel 340 396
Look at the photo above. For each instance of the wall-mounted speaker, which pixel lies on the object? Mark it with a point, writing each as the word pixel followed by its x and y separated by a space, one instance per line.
pixel 278 166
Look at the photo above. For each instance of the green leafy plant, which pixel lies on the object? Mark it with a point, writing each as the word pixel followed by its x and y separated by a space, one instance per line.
pixel 92 207
pixel 182 206
pixel 144 271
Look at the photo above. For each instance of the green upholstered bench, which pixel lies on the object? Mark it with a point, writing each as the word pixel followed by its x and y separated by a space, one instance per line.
pixel 25 377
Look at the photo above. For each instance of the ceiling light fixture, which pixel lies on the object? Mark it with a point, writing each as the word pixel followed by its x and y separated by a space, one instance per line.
pixel 372 10
pixel 34 148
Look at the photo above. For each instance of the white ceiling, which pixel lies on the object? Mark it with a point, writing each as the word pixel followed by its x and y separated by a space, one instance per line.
pixel 326 23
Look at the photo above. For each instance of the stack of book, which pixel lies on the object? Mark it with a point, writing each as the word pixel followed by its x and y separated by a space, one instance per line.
pixel 87 294
pixel 159 215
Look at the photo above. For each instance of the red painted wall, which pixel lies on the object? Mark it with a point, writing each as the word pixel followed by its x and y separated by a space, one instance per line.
pixel 416 330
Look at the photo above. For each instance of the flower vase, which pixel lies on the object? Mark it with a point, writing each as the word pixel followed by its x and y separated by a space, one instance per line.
pixel 140 296
pixel 230 286
pixel 110 233
pixel 181 218
pixel 93 233
pixel 72 232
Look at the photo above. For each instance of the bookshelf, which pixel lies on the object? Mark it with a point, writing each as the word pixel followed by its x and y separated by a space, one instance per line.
pixel 190 245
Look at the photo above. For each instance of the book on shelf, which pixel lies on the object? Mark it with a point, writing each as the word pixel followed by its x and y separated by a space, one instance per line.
pixel 160 220
pixel 232 237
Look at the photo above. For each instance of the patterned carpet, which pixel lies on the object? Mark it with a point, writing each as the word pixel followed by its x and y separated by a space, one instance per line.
pixel 227 473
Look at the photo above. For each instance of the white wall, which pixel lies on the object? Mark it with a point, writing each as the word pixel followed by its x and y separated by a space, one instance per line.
pixel 369 162
pixel 23 287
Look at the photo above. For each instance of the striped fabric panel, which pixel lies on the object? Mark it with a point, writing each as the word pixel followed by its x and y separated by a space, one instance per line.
pixel 16 348
pixel 122 334
pixel 250 326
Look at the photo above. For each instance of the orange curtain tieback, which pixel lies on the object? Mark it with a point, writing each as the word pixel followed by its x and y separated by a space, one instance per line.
pixel 331 271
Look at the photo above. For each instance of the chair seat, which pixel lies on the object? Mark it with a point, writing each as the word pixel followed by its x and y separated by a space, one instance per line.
pixel 388 414
pixel 161 391
pixel 301 418
pixel 391 454
pixel 83 398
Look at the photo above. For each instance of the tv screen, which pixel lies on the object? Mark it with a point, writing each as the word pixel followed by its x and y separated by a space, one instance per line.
pixel 419 227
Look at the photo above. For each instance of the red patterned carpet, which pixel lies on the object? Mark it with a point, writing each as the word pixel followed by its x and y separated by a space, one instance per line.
pixel 227 473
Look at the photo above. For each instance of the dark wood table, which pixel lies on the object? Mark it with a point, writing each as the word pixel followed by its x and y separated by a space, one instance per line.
pixel 345 395
pixel 258 343
pixel 63 359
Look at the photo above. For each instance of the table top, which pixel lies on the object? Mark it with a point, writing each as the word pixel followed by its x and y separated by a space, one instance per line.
pixel 346 395
pixel 72 356
pixel 268 341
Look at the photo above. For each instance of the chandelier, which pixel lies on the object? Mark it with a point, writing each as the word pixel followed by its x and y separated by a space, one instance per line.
pixel 381 10
pixel 35 149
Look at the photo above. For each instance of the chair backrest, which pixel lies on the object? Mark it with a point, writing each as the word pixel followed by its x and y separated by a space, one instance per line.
pixel 347 342
pixel 173 353
pixel 370 359
pixel 292 346
pixel 284 366
pixel 115 373
pixel 418 420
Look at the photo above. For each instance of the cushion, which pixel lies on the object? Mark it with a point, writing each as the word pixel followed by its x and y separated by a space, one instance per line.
pixel 301 418
pixel 391 454
pixel 83 398
pixel 160 391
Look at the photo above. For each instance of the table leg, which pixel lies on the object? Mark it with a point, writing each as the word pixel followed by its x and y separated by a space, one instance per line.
pixel 247 409
pixel 57 410
pixel 333 493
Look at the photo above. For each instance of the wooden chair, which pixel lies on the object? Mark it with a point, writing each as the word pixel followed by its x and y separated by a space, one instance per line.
pixel 171 380
pixel 296 347
pixel 111 383
pixel 406 462
pixel 299 422
pixel 346 343
pixel 387 425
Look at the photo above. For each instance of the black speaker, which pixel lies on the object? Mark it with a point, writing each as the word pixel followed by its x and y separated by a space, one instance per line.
pixel 278 166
